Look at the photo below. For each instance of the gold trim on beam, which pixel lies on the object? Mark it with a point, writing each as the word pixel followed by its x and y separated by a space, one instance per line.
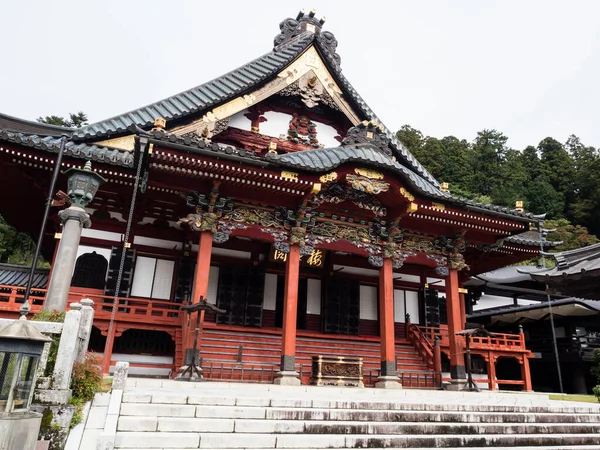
pixel 412 208
pixel 439 206
pixel 332 176
pixel 407 195
pixel 289 175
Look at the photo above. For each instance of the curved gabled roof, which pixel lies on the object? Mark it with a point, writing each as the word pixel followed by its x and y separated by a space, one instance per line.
pixel 323 159
pixel 204 96
pixel 245 79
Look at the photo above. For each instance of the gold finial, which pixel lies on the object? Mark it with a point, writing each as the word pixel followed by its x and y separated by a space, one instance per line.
pixel 445 187
pixel 273 147
pixel 159 124
pixel 254 129
pixel 519 205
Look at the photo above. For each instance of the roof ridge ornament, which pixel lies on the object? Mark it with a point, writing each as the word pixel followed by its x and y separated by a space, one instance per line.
pixel 369 132
pixel 290 28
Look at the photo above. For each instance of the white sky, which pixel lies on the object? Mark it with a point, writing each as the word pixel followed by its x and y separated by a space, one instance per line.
pixel 529 68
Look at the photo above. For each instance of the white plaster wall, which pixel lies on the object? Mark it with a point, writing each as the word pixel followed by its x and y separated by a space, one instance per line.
pixel 368 302
pixel 159 243
pixel 492 301
pixel 277 124
pixel 313 300
pixel 270 292
pixel 412 306
pixel 239 121
pixel 399 312
pixel 100 234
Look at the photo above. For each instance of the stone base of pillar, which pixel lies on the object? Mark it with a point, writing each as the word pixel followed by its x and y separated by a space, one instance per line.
pixel 388 382
pixel 185 373
pixel 53 396
pixel 287 378
pixel 456 385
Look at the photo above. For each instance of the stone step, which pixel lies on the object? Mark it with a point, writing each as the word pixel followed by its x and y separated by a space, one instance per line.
pixel 306 404
pixel 155 440
pixel 203 425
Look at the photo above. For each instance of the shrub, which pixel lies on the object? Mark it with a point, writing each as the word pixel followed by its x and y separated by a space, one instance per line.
pixel 87 377
pixel 49 316
pixel 596 371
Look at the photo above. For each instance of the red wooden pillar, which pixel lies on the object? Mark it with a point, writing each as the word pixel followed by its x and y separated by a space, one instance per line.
pixel 492 371
pixel 526 374
pixel 200 289
pixel 463 312
pixel 457 352
pixel 288 374
pixel 388 378
pixel 386 319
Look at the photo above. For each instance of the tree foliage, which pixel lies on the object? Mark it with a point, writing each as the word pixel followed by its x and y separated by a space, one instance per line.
pixel 17 248
pixel 75 120
pixel 560 180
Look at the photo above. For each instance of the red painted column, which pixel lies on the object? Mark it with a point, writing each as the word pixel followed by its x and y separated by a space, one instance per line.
pixel 200 289
pixel 457 352
pixel 290 310
pixel 492 371
pixel 526 374
pixel 463 312
pixel 386 319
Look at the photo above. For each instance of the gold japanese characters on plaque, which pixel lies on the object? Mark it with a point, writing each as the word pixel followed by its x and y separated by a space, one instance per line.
pixel 315 259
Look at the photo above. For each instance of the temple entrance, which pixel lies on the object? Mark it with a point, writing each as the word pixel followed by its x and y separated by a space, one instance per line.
pixel 341 306
pixel 241 295
pixel 302 302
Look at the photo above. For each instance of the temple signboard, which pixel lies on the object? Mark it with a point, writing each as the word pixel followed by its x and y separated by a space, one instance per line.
pixel 315 259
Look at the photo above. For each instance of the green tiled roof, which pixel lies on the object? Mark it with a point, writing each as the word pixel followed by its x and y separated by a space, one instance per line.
pixel 207 95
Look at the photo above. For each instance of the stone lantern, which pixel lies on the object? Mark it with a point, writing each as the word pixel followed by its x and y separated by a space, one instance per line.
pixel 21 346
pixel 83 184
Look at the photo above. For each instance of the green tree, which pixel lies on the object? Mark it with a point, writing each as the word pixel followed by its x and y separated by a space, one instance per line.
pixel 411 138
pixel 75 120
pixel 541 197
pixel 17 248
pixel 572 236
pixel 557 166
pixel 489 153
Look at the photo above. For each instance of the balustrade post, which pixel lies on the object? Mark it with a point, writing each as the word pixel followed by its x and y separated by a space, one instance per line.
pixel 437 360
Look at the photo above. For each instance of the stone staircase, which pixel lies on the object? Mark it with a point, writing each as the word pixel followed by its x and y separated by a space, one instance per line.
pixel 167 415
pixel 224 351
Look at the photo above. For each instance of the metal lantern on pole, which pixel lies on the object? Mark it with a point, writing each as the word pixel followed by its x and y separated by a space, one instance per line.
pixel 82 185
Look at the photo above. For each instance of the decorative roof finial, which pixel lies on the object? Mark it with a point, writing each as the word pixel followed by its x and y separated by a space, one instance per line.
pixel 519 205
pixel 369 132
pixel 159 124
pixel 445 187
pixel 88 166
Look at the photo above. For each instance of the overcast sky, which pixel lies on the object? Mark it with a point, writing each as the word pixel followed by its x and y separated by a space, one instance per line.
pixel 528 68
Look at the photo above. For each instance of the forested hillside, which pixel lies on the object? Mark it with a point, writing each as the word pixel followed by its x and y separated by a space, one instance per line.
pixel 560 179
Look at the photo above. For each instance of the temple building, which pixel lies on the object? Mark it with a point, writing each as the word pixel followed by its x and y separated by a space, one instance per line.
pixel 275 193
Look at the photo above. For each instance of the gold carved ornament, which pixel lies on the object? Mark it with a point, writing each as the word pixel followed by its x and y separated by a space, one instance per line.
pixel 368 173
pixel 364 184
pixel 327 178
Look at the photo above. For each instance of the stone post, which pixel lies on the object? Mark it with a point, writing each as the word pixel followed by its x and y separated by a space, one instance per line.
pixel 73 220
pixel 85 328
pixel 67 349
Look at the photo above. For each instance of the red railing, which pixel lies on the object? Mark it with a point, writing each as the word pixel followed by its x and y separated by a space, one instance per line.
pixel 498 342
pixel 128 309
pixel 421 342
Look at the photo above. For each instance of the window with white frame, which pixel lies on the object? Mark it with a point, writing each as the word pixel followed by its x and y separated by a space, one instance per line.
pixel 153 278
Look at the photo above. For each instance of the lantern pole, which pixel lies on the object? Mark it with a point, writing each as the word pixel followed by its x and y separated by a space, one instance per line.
pixel 56 172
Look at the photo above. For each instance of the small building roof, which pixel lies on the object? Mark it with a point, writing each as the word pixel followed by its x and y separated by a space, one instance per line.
pixel 14 275
pixel 572 265
pixel 567 307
